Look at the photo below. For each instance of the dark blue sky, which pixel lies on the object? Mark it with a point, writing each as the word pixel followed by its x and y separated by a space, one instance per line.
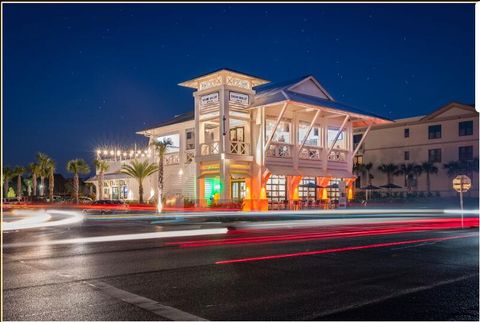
pixel 81 75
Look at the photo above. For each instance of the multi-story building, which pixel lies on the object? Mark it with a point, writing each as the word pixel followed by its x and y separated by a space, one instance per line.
pixel 250 140
pixel 448 134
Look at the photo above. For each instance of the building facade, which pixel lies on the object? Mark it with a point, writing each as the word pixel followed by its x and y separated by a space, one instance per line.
pixel 448 134
pixel 247 140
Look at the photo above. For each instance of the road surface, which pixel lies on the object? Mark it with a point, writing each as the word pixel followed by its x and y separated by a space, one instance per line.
pixel 382 267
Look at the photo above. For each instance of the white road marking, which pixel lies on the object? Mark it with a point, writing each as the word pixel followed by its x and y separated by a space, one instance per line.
pixel 111 238
pixel 388 297
pixel 166 312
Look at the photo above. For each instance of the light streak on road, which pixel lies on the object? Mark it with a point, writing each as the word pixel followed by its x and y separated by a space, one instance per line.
pixel 124 237
pixel 42 218
pixel 342 249
pixel 343 232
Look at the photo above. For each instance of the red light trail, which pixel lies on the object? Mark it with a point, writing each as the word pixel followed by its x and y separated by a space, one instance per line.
pixel 343 249
pixel 343 232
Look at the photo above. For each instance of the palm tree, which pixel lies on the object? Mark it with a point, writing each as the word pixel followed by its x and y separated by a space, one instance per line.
pixel 453 168
pixel 34 170
pixel 161 147
pixel 101 166
pixel 390 169
pixel 50 167
pixel 410 171
pixel 429 168
pixel 77 166
pixel 7 175
pixel 18 171
pixel 42 160
pixel 139 170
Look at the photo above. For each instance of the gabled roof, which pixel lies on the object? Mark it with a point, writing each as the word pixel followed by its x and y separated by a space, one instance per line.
pixel 445 108
pixel 192 83
pixel 180 118
pixel 307 99
pixel 278 92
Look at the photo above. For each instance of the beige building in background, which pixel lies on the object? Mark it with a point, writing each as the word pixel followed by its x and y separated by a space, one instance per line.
pixel 450 133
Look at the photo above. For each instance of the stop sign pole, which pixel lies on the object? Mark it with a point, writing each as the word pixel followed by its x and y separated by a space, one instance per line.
pixel 462 184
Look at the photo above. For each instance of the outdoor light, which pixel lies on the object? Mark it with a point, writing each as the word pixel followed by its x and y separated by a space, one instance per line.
pixel 124 154
pixel 119 152
pixel 112 152
pixel 99 151
pixel 105 152
pixel 180 172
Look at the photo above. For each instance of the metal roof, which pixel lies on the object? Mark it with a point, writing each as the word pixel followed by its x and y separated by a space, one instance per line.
pixel 180 118
pixel 277 86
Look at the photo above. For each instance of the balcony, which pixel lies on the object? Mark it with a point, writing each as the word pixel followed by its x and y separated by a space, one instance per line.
pixel 239 147
pixel 338 155
pixel 311 153
pixel 211 148
pixel 280 150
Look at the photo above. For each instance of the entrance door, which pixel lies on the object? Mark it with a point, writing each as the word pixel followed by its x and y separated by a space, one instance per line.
pixel 238 190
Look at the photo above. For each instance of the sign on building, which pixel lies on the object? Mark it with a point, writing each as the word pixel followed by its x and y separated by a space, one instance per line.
pixel 209 99
pixel 238 98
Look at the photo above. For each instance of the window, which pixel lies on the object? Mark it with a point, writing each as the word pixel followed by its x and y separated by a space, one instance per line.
pixel 313 138
pixel 307 189
pixel 282 134
pixel 190 139
pixel 358 159
pixel 406 133
pixel 406 155
pixel 435 155
pixel 465 128
pixel 356 139
pixel 333 190
pixel 465 153
pixel 341 142
pixel 277 188
pixel 434 132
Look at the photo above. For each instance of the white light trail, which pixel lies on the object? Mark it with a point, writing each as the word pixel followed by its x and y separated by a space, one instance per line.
pixel 42 218
pixel 112 238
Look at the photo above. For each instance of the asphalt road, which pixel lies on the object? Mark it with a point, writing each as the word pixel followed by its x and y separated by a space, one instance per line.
pixel 339 271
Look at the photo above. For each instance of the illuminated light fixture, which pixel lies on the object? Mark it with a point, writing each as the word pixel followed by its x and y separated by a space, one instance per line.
pixel 119 152
pixel 180 172
pixel 105 152
pixel 99 151
pixel 131 151
pixel 222 156
pixel 112 152
pixel 124 154
pixel 152 193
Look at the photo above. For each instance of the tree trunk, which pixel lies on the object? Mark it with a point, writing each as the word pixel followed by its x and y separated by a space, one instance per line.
pixel 42 185
pixel 140 191
pixel 5 187
pixel 19 188
pixel 100 185
pixel 75 187
pixel 428 182
pixel 34 183
pixel 160 178
pixel 51 183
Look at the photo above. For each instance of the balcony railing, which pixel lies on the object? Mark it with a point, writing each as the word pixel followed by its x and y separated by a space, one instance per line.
pixel 210 148
pixel 238 147
pixel 338 155
pixel 189 156
pixel 311 153
pixel 280 150
pixel 171 158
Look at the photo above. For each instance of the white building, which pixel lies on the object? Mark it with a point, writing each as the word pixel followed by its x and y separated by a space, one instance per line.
pixel 251 141
pixel 448 134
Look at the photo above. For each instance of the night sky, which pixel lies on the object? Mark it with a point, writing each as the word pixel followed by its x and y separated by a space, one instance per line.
pixel 78 76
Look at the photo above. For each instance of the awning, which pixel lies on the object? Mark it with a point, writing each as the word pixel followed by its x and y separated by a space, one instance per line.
pixel 110 176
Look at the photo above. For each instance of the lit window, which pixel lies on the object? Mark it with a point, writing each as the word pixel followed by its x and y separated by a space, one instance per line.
pixel 282 134
pixel 465 128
